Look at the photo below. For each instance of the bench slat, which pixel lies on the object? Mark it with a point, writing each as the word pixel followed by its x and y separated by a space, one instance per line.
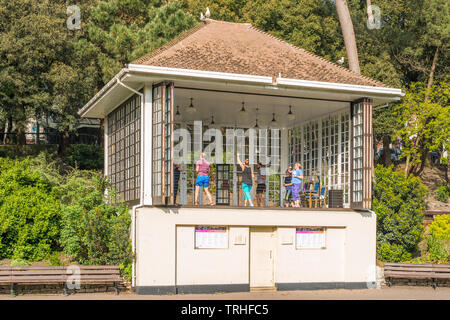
pixel 63 272
pixel 410 269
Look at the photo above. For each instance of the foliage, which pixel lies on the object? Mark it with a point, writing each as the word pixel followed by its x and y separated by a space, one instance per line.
pixel 85 156
pixel 19 263
pixel 95 230
pixel 29 212
pixel 425 119
pixel 398 202
pixel 45 208
pixel 123 30
pixel 40 70
pixel 440 227
pixel 437 250
pixel 443 193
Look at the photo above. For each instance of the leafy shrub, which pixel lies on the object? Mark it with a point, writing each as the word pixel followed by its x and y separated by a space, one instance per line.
pixel 95 229
pixel 437 249
pixel 443 193
pixel 440 227
pixel 85 156
pixel 19 263
pixel 398 202
pixel 29 212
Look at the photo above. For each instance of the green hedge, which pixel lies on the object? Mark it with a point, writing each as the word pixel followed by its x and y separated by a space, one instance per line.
pixel 399 202
pixel 44 212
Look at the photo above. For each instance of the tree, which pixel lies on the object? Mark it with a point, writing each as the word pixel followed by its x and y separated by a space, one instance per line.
pixel 120 31
pixel 425 118
pixel 348 34
pixel 40 74
pixel 398 202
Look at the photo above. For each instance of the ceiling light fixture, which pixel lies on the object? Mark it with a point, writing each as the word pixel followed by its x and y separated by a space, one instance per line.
pixel 178 114
pixel 256 125
pixel 243 109
pixel 273 123
pixel 290 115
pixel 191 109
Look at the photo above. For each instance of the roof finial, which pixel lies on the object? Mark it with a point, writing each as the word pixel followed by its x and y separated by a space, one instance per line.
pixel 207 13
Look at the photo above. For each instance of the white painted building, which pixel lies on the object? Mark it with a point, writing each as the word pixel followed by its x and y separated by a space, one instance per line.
pixel 298 107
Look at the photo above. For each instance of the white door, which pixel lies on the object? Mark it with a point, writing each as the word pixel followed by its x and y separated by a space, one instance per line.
pixel 261 257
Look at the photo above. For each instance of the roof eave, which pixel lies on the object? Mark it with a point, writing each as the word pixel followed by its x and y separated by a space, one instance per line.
pixel 391 94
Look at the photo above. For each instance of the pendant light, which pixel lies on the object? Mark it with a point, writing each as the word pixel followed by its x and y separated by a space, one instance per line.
pixel 243 109
pixel 178 114
pixel 256 125
pixel 191 109
pixel 290 115
pixel 273 123
pixel 213 123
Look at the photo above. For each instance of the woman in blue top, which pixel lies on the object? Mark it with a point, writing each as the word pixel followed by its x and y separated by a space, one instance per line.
pixel 297 180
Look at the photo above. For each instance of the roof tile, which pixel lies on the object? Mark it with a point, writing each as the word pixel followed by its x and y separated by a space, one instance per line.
pixel 241 48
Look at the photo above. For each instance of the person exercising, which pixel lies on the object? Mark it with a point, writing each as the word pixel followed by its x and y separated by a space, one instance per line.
pixel 247 180
pixel 202 169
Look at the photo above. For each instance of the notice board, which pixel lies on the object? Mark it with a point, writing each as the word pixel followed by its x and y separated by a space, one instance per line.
pixel 310 238
pixel 207 237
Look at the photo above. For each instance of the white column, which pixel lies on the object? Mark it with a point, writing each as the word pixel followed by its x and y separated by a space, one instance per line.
pixel 105 145
pixel 284 162
pixel 146 145
pixel 319 147
pixel 339 162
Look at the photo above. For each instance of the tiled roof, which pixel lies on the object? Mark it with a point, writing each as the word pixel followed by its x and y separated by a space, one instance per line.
pixel 241 48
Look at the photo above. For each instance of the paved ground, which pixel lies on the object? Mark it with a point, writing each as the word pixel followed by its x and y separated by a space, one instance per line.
pixel 394 293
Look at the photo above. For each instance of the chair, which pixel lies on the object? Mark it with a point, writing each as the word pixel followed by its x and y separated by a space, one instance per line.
pixel 319 197
pixel 316 186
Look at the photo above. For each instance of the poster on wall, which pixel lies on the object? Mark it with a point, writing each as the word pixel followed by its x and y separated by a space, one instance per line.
pixel 207 237
pixel 310 238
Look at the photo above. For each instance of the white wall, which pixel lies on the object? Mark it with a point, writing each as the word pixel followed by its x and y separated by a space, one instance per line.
pixel 166 254
pixel 212 266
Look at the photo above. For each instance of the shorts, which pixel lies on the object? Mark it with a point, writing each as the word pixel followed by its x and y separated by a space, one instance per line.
pixel 202 181
pixel 261 188
pixel 247 189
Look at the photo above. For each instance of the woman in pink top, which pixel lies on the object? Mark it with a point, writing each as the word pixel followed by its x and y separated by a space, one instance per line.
pixel 202 169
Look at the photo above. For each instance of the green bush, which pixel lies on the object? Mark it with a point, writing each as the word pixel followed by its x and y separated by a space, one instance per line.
pixel 440 227
pixel 29 212
pixel 85 156
pixel 398 202
pixel 95 229
pixel 19 263
pixel 437 249
pixel 443 193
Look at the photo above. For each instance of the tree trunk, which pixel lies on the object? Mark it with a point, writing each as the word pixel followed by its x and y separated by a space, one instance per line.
pixel 431 76
pixel 349 35
pixel 63 144
pixel 2 132
pixel 386 151
pixel 447 178
pixel 21 139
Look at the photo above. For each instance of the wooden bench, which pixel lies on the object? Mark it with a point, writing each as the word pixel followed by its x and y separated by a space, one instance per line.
pixel 416 271
pixel 63 274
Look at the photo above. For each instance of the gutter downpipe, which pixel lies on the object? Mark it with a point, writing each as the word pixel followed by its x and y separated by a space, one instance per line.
pixel 141 201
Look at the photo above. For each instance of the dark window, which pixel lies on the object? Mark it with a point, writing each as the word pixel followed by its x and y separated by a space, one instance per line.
pixel 124 148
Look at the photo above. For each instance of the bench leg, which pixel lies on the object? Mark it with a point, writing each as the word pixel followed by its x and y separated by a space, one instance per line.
pixel 12 290
pixel 65 289
pixel 389 281
pixel 434 284
pixel 116 288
